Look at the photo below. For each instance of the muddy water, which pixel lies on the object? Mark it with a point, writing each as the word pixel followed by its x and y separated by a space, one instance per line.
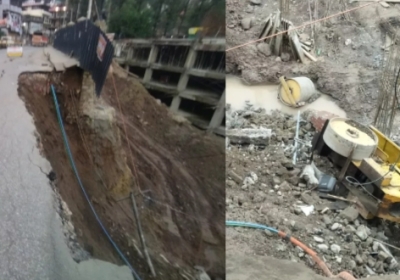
pixel 266 96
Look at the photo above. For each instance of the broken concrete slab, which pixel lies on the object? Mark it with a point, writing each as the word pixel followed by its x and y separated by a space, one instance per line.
pixel 256 136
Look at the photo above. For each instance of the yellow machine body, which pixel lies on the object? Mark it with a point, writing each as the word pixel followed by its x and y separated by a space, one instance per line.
pixel 377 170
pixel 295 92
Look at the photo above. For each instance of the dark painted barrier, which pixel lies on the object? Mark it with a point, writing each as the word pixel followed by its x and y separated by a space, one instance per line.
pixel 90 46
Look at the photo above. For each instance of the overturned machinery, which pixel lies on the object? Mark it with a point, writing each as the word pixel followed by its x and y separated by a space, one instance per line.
pixel 369 164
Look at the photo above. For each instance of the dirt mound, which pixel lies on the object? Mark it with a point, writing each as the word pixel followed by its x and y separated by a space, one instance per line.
pixel 345 71
pixel 264 186
pixel 176 175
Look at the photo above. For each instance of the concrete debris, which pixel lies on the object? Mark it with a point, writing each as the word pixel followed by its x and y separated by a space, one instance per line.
pixel 318 239
pixel 246 23
pixel 256 136
pixel 363 232
pixel 335 248
pixel 309 175
pixel 350 214
pixel 265 49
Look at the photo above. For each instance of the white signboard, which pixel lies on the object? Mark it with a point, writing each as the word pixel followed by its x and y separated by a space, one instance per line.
pixel 15 51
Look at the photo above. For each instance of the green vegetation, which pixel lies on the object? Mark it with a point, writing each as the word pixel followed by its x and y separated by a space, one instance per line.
pixel 131 21
pixel 150 18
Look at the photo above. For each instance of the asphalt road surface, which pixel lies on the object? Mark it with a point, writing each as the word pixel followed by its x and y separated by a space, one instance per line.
pixel 32 245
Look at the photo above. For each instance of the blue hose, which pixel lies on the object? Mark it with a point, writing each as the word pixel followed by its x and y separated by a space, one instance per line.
pixel 250 225
pixel 71 159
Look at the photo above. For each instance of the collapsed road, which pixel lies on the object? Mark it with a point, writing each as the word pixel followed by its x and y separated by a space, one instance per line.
pixel 32 243
pixel 124 144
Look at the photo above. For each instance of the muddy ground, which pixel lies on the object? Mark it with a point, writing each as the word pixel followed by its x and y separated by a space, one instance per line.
pixel 176 173
pixel 347 72
pixel 264 186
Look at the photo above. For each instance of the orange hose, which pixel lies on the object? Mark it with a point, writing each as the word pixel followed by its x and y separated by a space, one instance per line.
pixel 342 275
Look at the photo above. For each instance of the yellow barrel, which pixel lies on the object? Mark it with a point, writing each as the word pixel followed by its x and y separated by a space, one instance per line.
pixel 301 89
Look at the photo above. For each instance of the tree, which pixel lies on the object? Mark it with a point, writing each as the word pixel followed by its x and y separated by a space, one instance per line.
pixel 131 21
pixel 200 8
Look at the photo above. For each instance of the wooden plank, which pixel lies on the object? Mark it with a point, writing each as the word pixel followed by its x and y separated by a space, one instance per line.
pixel 275 25
pixel 266 28
pixel 297 45
pixel 269 28
pixel 310 56
pixel 307 48
pixel 383 3
pixel 278 44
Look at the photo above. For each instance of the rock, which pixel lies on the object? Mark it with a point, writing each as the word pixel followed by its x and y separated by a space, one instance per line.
pixel 254 176
pixel 383 256
pixel 359 260
pixel 393 266
pixel 381 236
pixel 335 226
pixel 335 248
pixel 327 220
pixel 276 181
pixel 254 136
pixel 246 23
pixel 363 232
pixel 307 199
pixel 318 118
pixel 278 59
pixel 318 239
pixel 375 246
pixel 230 183
pixel 352 264
pixel 268 233
pixel 259 197
pixel 285 57
pixel 350 213
pixel 347 42
pixel 371 262
pixel 249 9
pixel 265 49
pixel 297 211
pixel 281 248
pixel 255 2
pixel 284 186
pixel 379 267
pixel 322 247
pixel 353 249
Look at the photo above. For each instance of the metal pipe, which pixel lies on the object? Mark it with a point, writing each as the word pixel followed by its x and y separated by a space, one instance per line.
pixel 297 136
pixel 89 11
pixel 141 236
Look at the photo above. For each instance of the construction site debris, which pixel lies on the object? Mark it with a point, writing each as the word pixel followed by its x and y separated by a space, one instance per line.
pixel 277 198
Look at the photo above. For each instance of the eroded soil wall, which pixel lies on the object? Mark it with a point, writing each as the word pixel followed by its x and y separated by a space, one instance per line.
pixel 175 171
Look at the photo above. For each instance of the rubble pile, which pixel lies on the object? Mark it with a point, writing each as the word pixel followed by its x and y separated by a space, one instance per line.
pixel 263 185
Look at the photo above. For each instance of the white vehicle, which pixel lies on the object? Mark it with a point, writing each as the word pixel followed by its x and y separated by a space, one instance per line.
pixel 6 41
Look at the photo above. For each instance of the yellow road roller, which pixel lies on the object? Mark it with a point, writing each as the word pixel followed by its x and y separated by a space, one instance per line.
pixel 295 92
pixel 368 163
